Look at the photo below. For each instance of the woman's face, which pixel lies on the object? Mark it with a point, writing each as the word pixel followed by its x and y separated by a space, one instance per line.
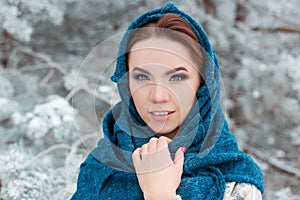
pixel 163 81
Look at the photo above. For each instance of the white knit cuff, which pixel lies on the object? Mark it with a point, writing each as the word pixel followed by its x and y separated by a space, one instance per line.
pixel 178 197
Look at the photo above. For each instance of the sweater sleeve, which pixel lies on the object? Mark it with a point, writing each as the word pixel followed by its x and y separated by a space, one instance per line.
pixel 90 179
pixel 241 191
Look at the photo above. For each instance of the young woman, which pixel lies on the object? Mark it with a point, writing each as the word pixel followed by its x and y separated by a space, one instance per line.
pixel 167 138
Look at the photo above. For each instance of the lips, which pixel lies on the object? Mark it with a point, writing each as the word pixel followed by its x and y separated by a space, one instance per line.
pixel 161 115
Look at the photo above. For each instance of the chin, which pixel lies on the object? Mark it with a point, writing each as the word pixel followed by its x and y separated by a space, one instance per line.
pixel 168 133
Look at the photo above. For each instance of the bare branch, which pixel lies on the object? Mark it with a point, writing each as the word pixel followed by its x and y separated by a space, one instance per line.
pixel 74 147
pixel 87 90
pixel 210 7
pixel 1 184
pixel 274 162
pixel 72 93
pixel 6 47
pixel 256 117
pixel 45 59
pixel 47 78
pixel 52 148
pixel 241 12
pixel 117 13
pixel 93 93
pixel 43 66
pixel 283 29
pixel 34 54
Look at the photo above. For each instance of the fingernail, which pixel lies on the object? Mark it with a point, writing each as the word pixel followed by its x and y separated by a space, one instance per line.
pixel 183 149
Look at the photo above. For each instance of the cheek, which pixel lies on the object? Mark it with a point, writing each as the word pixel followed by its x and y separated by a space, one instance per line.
pixel 185 92
pixel 184 97
pixel 140 98
pixel 185 100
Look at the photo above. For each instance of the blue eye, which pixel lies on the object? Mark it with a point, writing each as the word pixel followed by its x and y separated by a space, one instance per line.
pixel 141 77
pixel 178 77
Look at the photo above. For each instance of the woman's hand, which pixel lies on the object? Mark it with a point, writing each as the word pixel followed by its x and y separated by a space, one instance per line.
pixel 159 176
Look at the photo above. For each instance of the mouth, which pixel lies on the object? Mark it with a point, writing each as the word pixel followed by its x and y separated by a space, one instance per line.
pixel 161 115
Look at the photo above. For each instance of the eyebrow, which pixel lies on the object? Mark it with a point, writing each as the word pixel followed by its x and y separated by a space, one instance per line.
pixel 141 70
pixel 176 70
pixel 167 73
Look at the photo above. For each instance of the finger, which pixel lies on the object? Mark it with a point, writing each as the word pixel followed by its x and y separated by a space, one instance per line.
pixel 162 143
pixel 152 145
pixel 179 159
pixel 166 138
pixel 164 150
pixel 144 149
pixel 136 157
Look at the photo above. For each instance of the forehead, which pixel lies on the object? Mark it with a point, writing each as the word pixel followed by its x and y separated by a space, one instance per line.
pixel 160 51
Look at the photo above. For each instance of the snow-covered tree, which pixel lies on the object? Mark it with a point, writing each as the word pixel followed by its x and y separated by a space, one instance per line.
pixel 56 58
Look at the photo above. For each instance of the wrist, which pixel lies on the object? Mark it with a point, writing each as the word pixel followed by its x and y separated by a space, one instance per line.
pixel 160 196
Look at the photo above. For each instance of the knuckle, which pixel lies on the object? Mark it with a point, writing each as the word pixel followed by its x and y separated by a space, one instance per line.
pixel 144 146
pixel 163 140
pixel 153 139
pixel 136 151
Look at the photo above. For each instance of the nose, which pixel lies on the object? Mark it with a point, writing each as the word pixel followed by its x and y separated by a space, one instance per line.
pixel 159 93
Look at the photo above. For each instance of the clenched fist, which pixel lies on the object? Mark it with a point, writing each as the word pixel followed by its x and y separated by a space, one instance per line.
pixel 158 175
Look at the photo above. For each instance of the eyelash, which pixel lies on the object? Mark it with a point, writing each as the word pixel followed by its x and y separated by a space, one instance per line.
pixel 175 77
pixel 141 77
pixel 179 77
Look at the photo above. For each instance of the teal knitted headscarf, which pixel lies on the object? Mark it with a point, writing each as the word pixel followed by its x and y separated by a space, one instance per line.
pixel 212 156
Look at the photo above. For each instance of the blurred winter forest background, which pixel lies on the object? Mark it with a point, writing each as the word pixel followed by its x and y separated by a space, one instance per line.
pixel 56 58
